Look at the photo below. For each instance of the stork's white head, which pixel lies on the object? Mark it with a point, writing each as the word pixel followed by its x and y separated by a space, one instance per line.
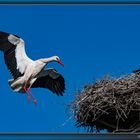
pixel 51 59
pixel 57 59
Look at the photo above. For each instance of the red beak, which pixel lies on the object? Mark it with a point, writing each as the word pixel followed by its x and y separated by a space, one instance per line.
pixel 60 63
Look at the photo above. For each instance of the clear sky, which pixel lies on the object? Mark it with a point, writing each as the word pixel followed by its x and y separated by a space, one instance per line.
pixel 91 40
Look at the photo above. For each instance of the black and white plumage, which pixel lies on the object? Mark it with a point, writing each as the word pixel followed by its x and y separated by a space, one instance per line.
pixel 51 80
pixel 26 72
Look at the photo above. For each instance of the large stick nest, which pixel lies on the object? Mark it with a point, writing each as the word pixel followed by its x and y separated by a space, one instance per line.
pixel 112 104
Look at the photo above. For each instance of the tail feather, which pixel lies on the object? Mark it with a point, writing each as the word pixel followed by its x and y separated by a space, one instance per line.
pixel 17 88
pixel 11 81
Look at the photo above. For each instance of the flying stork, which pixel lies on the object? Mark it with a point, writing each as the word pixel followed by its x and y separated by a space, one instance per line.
pixel 26 72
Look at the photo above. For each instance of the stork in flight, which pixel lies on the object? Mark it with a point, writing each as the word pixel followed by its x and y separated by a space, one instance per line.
pixel 26 72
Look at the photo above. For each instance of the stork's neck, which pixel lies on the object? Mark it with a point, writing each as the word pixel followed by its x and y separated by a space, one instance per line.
pixel 47 60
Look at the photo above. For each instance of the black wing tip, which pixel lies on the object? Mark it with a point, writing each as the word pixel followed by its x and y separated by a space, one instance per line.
pixel 4 35
pixel 59 87
pixel 63 85
pixel 59 92
pixel 2 32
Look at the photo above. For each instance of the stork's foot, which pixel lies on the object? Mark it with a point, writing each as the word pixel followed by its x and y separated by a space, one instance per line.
pixel 35 102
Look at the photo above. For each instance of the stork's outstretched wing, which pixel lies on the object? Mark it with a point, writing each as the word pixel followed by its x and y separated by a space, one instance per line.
pixel 52 80
pixel 14 53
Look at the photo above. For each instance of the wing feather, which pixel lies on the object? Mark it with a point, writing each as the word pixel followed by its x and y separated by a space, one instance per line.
pixel 14 53
pixel 52 80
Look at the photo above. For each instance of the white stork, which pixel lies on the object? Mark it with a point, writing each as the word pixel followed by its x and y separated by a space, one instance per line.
pixel 26 72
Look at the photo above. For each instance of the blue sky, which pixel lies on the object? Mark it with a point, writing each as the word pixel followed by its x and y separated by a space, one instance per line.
pixel 91 40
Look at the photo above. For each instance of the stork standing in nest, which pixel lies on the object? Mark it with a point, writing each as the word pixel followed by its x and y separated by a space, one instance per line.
pixel 26 72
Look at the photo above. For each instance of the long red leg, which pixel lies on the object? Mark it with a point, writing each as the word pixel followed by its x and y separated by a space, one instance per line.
pixel 34 100
pixel 27 90
pixel 31 94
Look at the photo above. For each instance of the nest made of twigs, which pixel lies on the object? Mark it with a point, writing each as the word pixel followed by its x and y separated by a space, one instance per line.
pixel 112 104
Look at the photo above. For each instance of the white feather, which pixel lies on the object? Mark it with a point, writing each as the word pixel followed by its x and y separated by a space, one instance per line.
pixel 22 59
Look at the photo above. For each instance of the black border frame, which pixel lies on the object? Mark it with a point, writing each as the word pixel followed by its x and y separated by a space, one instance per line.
pixel 64 2
pixel 59 135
